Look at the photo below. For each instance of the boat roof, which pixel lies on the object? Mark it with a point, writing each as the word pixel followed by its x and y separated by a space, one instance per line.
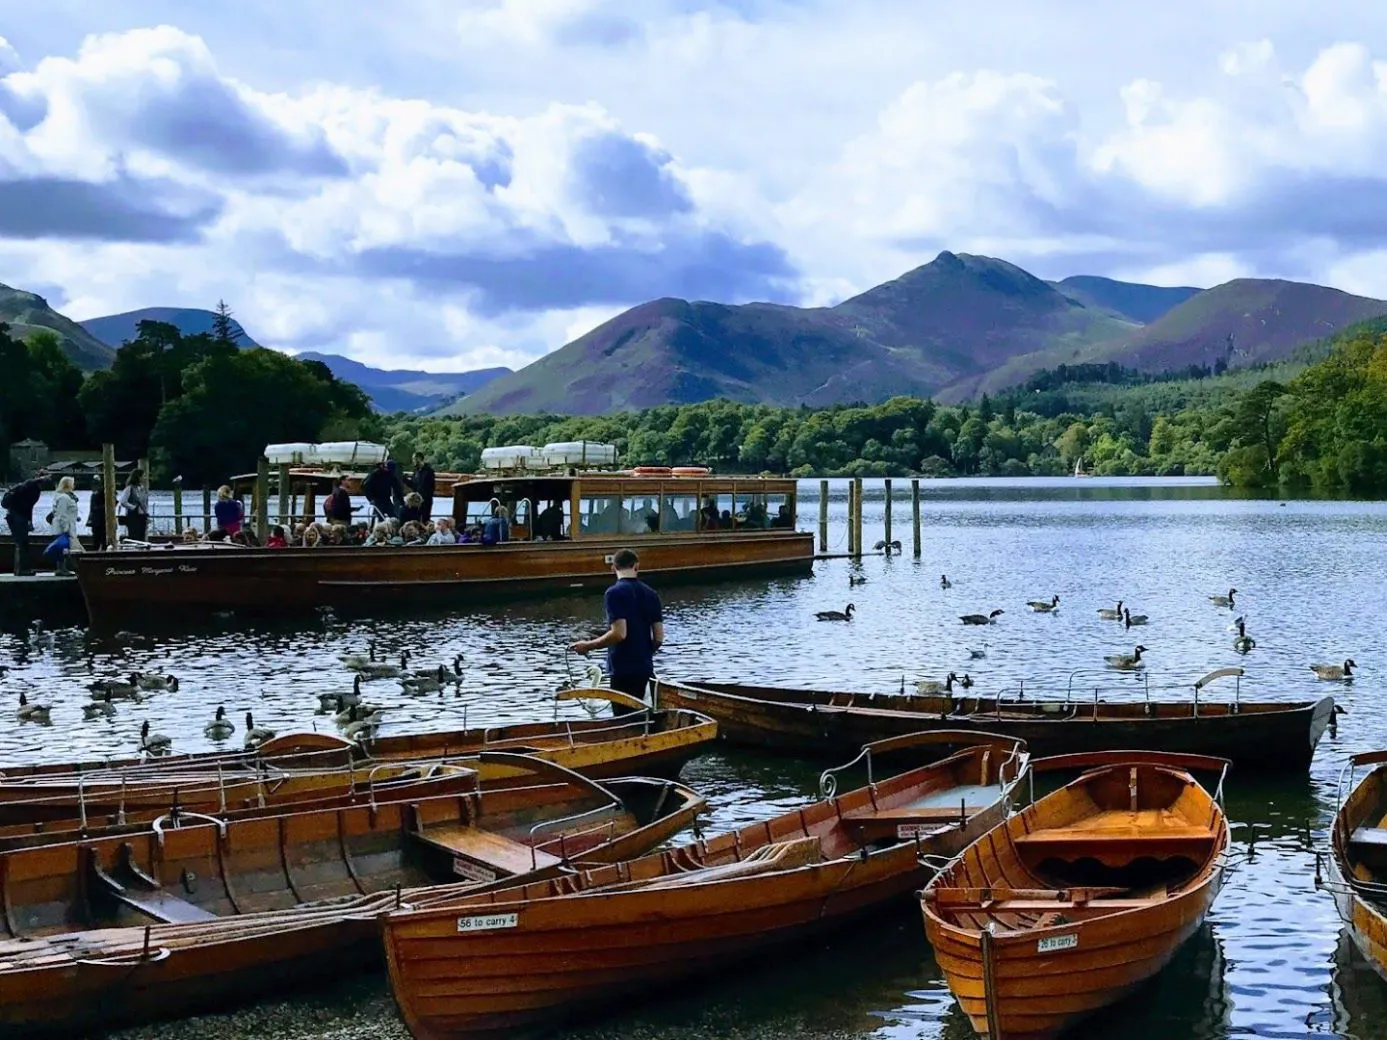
pixel 617 482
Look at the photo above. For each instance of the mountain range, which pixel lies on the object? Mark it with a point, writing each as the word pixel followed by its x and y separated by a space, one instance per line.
pixel 92 345
pixel 953 328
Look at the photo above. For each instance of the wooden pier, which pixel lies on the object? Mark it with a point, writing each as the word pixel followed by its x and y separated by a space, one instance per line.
pixel 43 595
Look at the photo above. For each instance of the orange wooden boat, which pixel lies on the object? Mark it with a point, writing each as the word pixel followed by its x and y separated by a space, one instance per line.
pixel 311 766
pixel 654 743
pixel 1358 857
pixel 532 955
pixel 1081 897
pixel 131 928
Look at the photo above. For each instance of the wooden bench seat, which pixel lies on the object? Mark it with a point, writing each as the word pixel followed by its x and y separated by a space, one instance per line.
pixel 1369 837
pixel 1027 900
pixel 142 893
pixel 494 851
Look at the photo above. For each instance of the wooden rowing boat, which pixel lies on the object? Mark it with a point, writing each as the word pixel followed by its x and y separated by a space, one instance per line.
pixel 132 928
pixel 1265 735
pixel 1081 897
pixel 652 743
pixel 532 955
pixel 1358 857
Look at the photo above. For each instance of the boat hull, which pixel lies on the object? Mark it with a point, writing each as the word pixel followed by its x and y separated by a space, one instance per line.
pixel 1258 736
pixel 61 984
pixel 199 580
pixel 1362 812
pixel 530 958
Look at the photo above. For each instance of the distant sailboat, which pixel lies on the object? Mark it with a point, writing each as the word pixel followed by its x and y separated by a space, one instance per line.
pixel 1079 468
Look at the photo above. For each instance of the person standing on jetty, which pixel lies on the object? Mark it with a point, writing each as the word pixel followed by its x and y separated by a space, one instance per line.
pixel 135 499
pixel 18 503
pixel 636 630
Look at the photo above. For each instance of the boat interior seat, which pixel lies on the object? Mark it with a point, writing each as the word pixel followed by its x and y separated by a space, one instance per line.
pixel 1034 900
pixel 1369 837
pixel 140 892
pixel 486 849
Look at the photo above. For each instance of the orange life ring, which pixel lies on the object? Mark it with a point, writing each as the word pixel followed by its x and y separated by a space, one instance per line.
pixel 691 471
pixel 651 471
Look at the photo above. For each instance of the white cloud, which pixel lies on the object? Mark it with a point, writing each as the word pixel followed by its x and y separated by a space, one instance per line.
pixel 453 184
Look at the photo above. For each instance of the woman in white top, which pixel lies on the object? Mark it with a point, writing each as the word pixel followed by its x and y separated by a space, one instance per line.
pixel 64 520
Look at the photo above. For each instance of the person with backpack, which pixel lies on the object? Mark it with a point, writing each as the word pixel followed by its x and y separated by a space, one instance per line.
pixel 18 503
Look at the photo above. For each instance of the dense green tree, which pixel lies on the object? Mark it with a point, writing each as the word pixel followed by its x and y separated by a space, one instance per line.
pixel 235 402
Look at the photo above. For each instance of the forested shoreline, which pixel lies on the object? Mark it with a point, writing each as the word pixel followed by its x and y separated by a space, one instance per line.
pixel 200 408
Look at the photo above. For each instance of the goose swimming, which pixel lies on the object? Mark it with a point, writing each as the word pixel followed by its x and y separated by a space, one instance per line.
pixel 836 615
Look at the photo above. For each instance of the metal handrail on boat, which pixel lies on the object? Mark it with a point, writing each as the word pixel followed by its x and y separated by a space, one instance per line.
pixel 828 779
pixel 615 803
pixel 174 818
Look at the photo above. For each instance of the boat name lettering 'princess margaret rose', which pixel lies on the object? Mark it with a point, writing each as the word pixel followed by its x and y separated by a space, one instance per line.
pixel 488 922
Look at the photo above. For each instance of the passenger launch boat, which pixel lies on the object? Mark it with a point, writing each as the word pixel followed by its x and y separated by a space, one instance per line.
pixel 176 920
pixel 1273 735
pixel 531 956
pixel 564 527
pixel 1081 897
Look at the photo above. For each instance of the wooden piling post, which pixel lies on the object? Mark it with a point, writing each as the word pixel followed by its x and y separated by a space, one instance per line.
pixel 206 510
pixel 915 512
pixel 823 516
pixel 262 498
pixel 108 494
pixel 284 493
pixel 857 516
pixel 178 507
pixel 887 483
pixel 850 551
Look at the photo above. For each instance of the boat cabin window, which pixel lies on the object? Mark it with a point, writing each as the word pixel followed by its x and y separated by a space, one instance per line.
pixel 600 514
pixel 716 513
pixel 679 512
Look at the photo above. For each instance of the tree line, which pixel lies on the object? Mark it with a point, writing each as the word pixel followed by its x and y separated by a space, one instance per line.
pixel 197 406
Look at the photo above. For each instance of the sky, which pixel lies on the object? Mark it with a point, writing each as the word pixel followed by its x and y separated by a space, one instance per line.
pixel 455 184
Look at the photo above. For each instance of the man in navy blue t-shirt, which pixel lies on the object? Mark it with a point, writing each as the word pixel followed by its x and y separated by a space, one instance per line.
pixel 636 630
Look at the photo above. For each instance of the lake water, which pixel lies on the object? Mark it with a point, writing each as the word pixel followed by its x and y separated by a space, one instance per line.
pixel 1271 962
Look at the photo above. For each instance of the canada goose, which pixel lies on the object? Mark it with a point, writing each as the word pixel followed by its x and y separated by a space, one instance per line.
pixel 101 707
pixel 1224 601
pixel 338 701
pixel 931 686
pixel 155 682
pixel 256 735
pixel 358 728
pixel 220 727
pixel 1129 619
pixel 442 671
pixel 1041 607
pixel 1244 642
pixel 429 683
pixel 892 546
pixel 154 743
pixel 359 712
pixel 32 712
pixel 856 579
pixel 981 619
pixel 358 661
pixel 1335 672
pixel 977 655
pixel 944 582
pixel 836 615
pixel 1111 615
pixel 386 670
pixel 966 682
pixel 115 688
pixel 1126 662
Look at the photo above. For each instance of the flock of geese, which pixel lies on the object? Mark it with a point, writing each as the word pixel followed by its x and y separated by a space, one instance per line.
pixel 1242 642
pixel 356 718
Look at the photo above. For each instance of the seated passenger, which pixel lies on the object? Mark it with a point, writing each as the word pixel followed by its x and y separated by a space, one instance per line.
pixel 725 523
pixel 783 517
pixel 549 524
pixel 277 539
pixel 709 515
pixel 411 534
pixel 443 533
pixel 382 534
